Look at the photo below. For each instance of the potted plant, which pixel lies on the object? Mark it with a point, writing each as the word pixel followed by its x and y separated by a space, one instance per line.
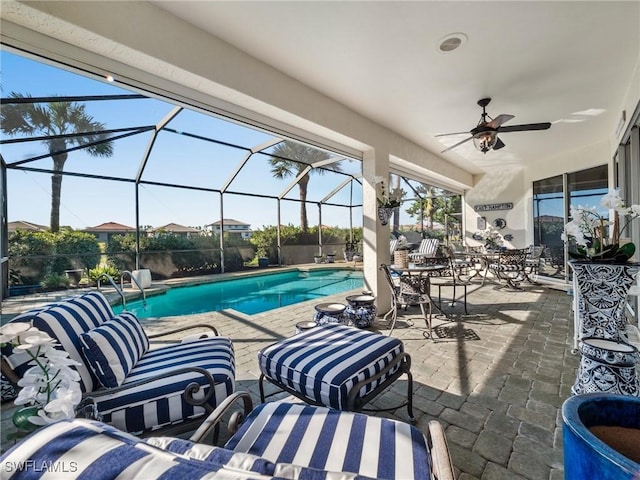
pixel 387 201
pixel 351 246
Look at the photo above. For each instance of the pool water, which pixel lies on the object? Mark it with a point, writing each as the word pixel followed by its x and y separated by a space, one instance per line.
pixel 249 295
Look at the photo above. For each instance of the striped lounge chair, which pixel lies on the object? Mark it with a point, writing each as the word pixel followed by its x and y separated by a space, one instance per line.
pixel 277 440
pixel 135 388
pixel 428 248
pixel 336 366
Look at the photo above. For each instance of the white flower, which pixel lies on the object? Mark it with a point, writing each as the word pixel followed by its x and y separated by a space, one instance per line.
pixel 50 383
pixel 11 330
pixel 612 200
pixel 592 232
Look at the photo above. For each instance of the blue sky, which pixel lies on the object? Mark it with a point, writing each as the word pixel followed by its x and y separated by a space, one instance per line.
pixel 175 159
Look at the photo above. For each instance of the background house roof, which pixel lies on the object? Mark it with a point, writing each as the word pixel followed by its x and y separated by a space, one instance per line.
pixel 24 225
pixel 229 221
pixel 110 227
pixel 176 228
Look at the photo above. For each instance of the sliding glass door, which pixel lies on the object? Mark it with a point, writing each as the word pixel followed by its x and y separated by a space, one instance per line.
pixel 551 200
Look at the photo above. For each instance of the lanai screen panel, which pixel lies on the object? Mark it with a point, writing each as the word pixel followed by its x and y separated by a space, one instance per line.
pixel 180 159
pixel 51 89
pixel 258 177
pixel 161 205
pixel 193 149
pixel 256 212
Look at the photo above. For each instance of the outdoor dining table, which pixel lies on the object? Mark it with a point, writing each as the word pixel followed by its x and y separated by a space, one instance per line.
pixel 483 259
pixel 424 271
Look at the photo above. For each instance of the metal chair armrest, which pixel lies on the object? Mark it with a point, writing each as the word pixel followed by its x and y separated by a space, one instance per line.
pixel 213 420
pixel 182 329
pixel 188 393
pixel 441 465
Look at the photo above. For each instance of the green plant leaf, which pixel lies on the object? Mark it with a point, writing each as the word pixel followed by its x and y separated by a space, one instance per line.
pixel 627 249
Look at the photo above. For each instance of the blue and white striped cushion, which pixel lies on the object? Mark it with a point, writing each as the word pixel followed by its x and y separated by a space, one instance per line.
pixel 65 321
pixel 81 449
pixel 114 348
pixel 247 462
pixel 209 453
pixel 327 439
pixel 324 363
pixel 160 402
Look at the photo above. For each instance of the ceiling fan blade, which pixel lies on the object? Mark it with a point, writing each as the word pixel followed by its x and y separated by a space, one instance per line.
pixel 456 145
pixel 499 120
pixel 456 133
pixel 525 127
pixel 499 144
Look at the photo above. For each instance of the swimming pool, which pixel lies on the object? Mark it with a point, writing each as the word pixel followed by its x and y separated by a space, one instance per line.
pixel 249 295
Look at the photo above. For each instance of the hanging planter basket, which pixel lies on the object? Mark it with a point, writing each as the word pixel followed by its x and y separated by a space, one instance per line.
pixel 384 215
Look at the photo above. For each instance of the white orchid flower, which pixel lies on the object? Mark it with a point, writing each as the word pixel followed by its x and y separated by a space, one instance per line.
pixel 612 200
pixel 50 383
pixel 60 356
pixel 11 330
pixel 44 418
pixel 63 405
pixel 27 394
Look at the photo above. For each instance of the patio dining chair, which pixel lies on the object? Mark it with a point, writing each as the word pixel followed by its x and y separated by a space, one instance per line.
pixel 532 263
pixel 461 263
pixel 510 267
pixel 395 290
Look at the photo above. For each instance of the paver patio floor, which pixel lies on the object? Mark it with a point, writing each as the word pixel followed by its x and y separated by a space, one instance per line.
pixel 496 378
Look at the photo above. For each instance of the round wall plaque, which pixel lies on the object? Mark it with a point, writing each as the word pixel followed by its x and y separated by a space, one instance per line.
pixel 500 223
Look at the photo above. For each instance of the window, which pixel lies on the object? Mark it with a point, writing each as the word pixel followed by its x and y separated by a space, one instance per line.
pixel 551 201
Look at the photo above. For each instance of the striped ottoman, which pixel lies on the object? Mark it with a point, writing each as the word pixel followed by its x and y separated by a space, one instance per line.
pixel 336 366
pixel 333 441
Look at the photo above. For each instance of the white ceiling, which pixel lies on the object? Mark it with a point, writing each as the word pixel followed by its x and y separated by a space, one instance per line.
pixel 569 63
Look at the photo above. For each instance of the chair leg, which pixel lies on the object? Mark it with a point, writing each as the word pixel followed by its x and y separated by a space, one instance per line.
pixel 261 386
pixel 392 322
pixel 412 418
pixel 427 320
pixel 465 299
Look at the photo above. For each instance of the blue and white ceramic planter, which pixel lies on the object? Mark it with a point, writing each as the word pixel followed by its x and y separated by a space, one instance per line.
pixel 601 290
pixel 361 311
pixel 607 366
pixel 585 455
pixel 329 313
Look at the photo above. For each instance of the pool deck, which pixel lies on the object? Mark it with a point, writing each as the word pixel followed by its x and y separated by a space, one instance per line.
pixel 495 378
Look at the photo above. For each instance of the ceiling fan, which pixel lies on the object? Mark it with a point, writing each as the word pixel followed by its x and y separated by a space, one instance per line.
pixel 485 134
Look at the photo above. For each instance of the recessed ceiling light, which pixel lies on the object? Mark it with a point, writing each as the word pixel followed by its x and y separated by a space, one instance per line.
pixel 451 42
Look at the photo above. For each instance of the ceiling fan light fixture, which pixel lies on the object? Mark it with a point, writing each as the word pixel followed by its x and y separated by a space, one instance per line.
pixel 485 141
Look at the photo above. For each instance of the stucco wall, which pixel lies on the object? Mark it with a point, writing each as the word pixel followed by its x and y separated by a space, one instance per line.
pixel 502 186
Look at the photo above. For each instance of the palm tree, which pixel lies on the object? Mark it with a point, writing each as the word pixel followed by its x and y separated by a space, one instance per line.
pixel 290 159
pixel 60 122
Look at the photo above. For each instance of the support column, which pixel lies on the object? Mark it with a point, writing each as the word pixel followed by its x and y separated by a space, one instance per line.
pixel 375 237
